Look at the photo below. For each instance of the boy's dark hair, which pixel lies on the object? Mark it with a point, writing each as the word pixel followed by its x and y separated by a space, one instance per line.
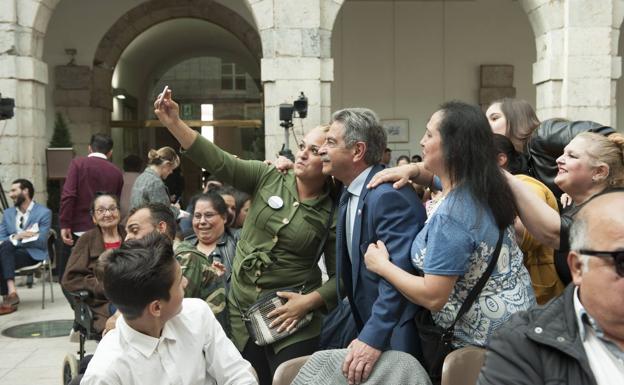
pixel 25 183
pixel 101 143
pixel 139 272
pixel 159 213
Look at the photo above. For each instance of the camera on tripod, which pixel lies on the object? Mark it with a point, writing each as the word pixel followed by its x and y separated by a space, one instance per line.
pixel 6 107
pixel 287 113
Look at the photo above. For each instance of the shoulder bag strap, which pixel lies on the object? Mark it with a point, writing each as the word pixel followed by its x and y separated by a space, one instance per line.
pixel 476 290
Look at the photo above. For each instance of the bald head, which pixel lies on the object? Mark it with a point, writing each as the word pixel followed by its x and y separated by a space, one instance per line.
pixel 596 236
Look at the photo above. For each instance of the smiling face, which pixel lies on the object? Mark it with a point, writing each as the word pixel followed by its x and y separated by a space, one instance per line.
pixel 208 225
pixel 308 162
pixel 496 118
pixel 575 168
pixel 431 143
pixel 106 212
pixel 17 194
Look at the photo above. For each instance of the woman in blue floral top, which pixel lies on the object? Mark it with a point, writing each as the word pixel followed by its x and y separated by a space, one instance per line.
pixel 458 240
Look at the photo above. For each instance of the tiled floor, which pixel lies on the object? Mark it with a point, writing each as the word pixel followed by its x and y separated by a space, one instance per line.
pixel 36 361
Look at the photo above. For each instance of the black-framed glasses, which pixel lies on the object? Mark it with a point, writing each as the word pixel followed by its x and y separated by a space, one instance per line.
pixel 618 258
pixel 21 223
pixel 208 216
pixel 104 210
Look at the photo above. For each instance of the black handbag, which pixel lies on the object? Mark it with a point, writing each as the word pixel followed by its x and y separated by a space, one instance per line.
pixel 436 341
pixel 255 317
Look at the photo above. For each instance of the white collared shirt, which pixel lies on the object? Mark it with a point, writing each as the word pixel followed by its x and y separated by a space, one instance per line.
pixel 18 218
pixel 355 189
pixel 97 155
pixel 606 362
pixel 192 350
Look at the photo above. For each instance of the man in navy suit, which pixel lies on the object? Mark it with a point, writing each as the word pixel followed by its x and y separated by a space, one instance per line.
pixel 352 152
pixel 23 239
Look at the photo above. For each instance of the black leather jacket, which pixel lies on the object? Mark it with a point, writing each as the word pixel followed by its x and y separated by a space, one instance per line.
pixel 539 346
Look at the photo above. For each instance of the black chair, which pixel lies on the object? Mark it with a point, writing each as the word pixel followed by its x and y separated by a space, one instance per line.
pixel 83 325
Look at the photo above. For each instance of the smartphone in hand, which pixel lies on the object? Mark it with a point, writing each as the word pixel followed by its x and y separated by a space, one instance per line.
pixel 161 98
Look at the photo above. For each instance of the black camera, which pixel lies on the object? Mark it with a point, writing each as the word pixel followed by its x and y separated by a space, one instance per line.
pixel 287 113
pixel 300 106
pixel 6 107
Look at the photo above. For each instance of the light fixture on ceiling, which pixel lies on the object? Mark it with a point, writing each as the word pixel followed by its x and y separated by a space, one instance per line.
pixel 119 93
pixel 71 52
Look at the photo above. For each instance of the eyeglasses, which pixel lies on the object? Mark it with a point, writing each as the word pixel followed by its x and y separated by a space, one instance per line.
pixel 208 216
pixel 102 210
pixel 618 258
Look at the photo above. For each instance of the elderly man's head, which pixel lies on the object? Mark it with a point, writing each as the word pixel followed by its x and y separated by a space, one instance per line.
pixel 596 260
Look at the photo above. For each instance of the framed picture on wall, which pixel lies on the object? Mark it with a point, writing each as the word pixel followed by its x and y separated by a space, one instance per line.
pixel 397 130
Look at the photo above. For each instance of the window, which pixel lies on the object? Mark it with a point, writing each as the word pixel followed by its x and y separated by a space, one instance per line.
pixel 232 78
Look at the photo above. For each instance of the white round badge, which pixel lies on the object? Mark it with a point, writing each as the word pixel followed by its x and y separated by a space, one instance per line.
pixel 275 202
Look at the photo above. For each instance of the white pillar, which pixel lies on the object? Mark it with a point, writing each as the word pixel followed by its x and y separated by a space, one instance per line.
pixel 577 60
pixel 23 77
pixel 296 38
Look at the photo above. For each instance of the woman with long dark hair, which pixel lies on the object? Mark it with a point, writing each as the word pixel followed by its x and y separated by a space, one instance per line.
pixel 459 238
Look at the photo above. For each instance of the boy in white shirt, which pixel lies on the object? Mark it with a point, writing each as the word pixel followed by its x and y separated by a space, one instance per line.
pixel 161 338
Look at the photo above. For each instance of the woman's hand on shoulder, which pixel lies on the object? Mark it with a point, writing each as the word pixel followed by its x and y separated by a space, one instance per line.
pixel 282 164
pixel 377 257
pixel 400 175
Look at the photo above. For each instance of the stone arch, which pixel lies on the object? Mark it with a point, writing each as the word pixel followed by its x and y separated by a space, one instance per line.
pixel 150 13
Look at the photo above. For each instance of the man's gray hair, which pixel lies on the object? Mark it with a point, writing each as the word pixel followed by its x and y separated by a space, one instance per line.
pixel 362 125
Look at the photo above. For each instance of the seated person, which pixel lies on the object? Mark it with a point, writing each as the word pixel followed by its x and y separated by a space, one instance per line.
pixel 577 338
pixel 160 337
pixel 23 239
pixel 206 256
pixel 80 271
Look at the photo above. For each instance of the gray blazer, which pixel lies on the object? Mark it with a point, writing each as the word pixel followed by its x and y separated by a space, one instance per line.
pixel 150 188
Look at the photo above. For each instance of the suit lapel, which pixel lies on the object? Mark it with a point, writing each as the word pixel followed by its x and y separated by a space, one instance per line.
pixel 357 227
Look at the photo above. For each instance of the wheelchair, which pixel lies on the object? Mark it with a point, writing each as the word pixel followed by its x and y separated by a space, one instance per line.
pixel 83 325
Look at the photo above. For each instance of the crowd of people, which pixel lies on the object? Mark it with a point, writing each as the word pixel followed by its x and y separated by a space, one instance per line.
pixel 471 240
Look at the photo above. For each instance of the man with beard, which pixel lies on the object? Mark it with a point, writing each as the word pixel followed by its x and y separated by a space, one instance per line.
pixel 23 239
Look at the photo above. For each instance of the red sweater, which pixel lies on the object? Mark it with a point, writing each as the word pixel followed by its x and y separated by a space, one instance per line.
pixel 85 177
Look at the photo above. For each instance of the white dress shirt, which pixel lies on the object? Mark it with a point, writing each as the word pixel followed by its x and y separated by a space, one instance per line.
pixel 355 189
pixel 192 350
pixel 22 218
pixel 606 359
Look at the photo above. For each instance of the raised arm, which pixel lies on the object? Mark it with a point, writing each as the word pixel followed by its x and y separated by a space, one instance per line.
pixel 402 175
pixel 168 112
pixel 540 220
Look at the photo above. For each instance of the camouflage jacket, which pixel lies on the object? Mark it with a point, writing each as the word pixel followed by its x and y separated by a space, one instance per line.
pixel 203 281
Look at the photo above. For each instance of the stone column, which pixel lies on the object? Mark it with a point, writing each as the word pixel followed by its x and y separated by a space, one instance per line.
pixel 577 60
pixel 23 77
pixel 296 38
pixel 83 96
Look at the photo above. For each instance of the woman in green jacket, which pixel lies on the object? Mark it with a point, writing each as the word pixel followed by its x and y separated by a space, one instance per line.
pixel 279 240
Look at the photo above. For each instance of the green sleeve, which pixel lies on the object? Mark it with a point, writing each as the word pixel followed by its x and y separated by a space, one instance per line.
pixel 244 175
pixel 328 289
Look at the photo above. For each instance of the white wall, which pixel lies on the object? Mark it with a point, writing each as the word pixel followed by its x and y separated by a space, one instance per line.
pixel 404 58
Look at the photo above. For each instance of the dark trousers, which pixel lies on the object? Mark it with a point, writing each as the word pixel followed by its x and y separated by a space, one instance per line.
pixel 12 258
pixel 62 259
pixel 265 361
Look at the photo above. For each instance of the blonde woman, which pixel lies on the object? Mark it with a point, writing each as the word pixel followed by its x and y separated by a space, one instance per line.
pixel 149 186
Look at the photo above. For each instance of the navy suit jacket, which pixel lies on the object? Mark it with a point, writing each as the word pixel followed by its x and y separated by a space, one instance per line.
pixel 40 214
pixel 383 316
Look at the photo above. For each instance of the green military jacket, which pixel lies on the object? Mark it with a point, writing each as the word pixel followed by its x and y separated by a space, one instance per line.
pixel 278 243
pixel 203 280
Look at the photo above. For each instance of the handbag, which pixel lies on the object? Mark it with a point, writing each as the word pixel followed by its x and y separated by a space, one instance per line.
pixel 436 341
pixel 256 317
